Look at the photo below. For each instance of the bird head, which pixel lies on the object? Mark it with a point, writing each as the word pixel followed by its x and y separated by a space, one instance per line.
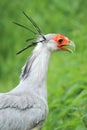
pixel 59 42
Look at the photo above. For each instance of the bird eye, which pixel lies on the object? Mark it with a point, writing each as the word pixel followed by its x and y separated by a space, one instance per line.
pixel 60 40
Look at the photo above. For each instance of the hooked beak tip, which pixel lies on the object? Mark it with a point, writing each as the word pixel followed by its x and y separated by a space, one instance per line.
pixel 72 44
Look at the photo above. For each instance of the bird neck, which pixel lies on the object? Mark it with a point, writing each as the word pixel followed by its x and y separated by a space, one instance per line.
pixel 35 70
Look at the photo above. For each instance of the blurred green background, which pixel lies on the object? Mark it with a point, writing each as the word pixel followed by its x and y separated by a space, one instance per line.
pixel 67 75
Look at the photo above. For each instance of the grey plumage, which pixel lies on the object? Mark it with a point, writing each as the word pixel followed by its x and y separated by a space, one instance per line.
pixel 25 107
pixel 21 112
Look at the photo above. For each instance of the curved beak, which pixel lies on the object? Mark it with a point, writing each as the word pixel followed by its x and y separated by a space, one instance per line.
pixel 70 47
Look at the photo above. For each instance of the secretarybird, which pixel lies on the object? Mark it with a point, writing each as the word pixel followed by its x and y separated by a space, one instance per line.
pixel 25 107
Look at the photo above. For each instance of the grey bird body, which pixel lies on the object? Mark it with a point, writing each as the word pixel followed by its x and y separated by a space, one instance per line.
pixel 21 112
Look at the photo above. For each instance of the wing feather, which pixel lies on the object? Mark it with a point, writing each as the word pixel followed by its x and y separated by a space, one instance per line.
pixel 21 112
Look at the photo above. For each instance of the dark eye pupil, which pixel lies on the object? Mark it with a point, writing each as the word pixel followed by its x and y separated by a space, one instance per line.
pixel 60 40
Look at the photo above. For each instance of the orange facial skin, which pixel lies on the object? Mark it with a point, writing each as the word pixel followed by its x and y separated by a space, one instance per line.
pixel 61 40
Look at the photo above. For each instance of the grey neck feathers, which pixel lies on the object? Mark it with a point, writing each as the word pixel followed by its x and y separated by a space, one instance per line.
pixel 27 67
pixel 36 66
